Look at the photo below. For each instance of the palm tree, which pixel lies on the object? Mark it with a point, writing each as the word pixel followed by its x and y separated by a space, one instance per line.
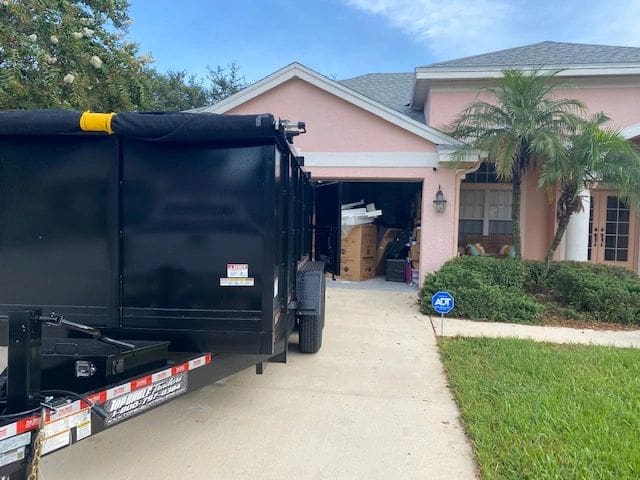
pixel 520 124
pixel 595 155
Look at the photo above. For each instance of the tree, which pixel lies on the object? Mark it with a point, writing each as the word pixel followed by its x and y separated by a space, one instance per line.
pixel 224 81
pixel 520 124
pixel 596 154
pixel 175 91
pixel 178 91
pixel 69 54
pixel 74 54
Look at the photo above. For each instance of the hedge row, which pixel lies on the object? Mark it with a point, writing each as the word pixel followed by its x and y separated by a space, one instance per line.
pixel 507 290
pixel 484 288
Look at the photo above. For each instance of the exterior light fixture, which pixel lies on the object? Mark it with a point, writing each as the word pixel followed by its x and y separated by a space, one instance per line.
pixel 439 203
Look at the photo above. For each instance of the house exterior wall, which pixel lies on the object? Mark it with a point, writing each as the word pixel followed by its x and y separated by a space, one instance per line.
pixel 336 126
pixel 537 218
pixel 619 98
pixel 333 124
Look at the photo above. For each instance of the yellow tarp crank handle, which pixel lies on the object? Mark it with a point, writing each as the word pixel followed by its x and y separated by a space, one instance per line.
pixel 96 122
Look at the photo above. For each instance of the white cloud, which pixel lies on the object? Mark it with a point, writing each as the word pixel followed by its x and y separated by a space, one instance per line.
pixel 461 26
pixel 455 28
pixel 614 22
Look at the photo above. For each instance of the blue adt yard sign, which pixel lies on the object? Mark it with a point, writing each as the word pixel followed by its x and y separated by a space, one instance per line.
pixel 442 302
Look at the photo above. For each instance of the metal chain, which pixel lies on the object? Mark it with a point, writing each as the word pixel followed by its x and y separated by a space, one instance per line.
pixel 37 449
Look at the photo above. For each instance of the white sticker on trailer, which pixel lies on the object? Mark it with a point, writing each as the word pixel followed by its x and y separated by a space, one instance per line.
pixel 57 441
pixel 15 442
pixel 237 282
pixel 13 456
pixel 237 270
pixel 8 430
pixel 83 428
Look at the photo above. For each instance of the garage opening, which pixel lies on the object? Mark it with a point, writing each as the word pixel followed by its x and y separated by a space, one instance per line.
pixel 376 240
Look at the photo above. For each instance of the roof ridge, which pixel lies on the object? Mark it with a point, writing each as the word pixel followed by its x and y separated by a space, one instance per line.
pixel 488 53
pixel 547 53
pixel 375 73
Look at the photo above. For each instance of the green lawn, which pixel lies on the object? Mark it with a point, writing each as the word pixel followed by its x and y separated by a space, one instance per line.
pixel 535 410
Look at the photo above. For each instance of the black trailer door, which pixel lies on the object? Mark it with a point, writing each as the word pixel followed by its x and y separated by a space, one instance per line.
pixel 327 224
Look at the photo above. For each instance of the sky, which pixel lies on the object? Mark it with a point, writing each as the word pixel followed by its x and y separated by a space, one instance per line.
pixel 346 38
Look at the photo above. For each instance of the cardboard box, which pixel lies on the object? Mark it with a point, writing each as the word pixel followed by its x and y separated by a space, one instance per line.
pixel 353 253
pixel 414 252
pixel 360 242
pixel 358 253
pixel 358 269
pixel 417 231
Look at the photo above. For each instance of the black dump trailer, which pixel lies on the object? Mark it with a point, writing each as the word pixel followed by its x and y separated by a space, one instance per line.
pixel 143 255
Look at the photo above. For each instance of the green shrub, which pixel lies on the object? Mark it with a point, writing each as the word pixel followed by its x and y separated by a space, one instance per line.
pixel 484 288
pixel 597 292
pixel 607 294
pixel 535 280
pixel 503 289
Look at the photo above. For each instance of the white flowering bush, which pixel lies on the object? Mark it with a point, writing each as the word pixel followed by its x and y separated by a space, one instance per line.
pixel 75 54
pixel 69 54
pixel 95 61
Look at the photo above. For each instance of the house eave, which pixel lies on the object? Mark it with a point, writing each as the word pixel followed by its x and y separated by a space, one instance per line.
pixel 297 70
pixel 478 73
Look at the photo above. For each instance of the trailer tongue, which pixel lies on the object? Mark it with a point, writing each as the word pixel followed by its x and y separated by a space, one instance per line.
pixel 144 256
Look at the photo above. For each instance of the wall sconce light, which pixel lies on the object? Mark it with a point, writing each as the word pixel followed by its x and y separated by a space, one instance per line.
pixel 439 202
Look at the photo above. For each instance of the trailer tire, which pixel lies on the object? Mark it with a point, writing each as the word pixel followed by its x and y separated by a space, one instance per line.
pixel 310 333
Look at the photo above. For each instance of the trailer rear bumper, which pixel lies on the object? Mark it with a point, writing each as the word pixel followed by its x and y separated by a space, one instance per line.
pixel 76 420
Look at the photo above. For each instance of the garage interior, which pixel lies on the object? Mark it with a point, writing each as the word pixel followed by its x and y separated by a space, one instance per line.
pixel 385 252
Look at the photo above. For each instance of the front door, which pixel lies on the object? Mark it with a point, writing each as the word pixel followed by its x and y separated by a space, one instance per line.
pixel 612 230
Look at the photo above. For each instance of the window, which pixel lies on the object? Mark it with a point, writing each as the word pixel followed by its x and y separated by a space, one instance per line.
pixel 486 173
pixel 484 212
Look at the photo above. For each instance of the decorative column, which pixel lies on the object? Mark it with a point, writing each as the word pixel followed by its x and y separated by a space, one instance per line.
pixel 577 234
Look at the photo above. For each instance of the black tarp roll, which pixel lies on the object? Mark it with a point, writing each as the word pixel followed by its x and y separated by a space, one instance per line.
pixel 193 127
pixel 39 122
pixel 152 126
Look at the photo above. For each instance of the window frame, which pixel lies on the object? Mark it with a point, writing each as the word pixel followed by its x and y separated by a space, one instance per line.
pixel 486 188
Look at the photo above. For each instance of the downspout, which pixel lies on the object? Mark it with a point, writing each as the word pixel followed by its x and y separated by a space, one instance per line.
pixel 460 174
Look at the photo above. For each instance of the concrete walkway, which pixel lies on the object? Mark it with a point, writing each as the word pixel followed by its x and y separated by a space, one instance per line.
pixel 468 328
pixel 372 404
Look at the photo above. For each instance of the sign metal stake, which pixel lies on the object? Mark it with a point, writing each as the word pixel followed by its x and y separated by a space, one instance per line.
pixel 442 302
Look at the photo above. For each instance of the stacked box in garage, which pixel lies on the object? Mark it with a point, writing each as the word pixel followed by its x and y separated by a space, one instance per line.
pixel 414 250
pixel 358 253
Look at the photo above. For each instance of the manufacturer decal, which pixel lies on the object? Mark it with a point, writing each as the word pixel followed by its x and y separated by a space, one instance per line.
pixel 56 441
pixel 57 428
pixel 16 442
pixel 237 282
pixel 237 270
pixel 12 456
pixel 124 406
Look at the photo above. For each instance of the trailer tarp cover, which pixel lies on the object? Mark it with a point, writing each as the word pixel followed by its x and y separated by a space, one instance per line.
pixel 151 126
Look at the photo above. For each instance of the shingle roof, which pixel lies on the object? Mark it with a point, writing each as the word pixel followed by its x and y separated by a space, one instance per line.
pixel 393 90
pixel 548 53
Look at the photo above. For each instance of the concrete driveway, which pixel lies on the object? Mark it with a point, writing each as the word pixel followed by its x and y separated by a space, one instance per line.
pixel 372 404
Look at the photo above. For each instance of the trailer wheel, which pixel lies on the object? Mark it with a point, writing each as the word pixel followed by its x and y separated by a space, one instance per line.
pixel 310 333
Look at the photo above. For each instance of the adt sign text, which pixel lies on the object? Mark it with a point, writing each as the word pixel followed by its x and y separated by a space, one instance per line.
pixel 442 302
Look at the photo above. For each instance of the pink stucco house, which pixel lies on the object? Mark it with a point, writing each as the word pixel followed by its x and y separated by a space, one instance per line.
pixel 387 129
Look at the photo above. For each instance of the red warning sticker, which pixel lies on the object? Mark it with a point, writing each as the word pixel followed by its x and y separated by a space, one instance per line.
pixel 237 270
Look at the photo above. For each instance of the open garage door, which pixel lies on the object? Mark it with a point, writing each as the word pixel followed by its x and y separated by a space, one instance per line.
pixel 327 199
pixel 385 245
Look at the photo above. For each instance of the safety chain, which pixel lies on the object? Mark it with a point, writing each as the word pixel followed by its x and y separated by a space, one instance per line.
pixel 37 449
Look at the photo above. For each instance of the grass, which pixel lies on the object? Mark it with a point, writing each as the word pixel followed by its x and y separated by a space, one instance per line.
pixel 542 411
